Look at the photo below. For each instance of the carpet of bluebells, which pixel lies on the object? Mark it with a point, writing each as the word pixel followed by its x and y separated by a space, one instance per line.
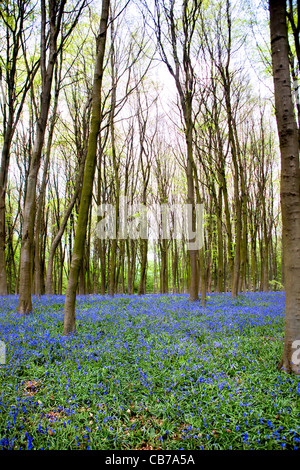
pixel 150 372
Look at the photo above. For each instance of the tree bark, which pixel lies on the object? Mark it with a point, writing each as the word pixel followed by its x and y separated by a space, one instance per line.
pixel 289 183
pixel 89 172
pixel 25 304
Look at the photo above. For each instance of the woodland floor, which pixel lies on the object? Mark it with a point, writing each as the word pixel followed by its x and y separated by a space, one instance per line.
pixel 151 372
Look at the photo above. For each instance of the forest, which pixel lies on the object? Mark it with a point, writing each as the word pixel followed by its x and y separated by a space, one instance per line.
pixel 149 216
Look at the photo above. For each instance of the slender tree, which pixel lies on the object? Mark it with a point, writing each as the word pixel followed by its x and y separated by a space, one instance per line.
pixel 88 179
pixel 51 25
pixel 14 17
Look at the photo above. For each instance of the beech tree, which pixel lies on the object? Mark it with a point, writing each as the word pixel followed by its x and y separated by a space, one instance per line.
pixel 289 182
pixel 14 87
pixel 52 20
pixel 88 178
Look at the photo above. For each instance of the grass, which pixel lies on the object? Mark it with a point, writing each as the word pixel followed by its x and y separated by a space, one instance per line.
pixel 152 372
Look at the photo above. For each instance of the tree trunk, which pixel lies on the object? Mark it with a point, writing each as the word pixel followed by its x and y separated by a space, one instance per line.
pixel 37 261
pixel 164 275
pixel 102 255
pixel 3 181
pixel 289 183
pixel 87 187
pixel 144 253
pixel 114 246
pixel 25 304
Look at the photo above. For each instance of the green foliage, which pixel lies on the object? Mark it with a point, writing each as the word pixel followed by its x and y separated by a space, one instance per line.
pixel 276 285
